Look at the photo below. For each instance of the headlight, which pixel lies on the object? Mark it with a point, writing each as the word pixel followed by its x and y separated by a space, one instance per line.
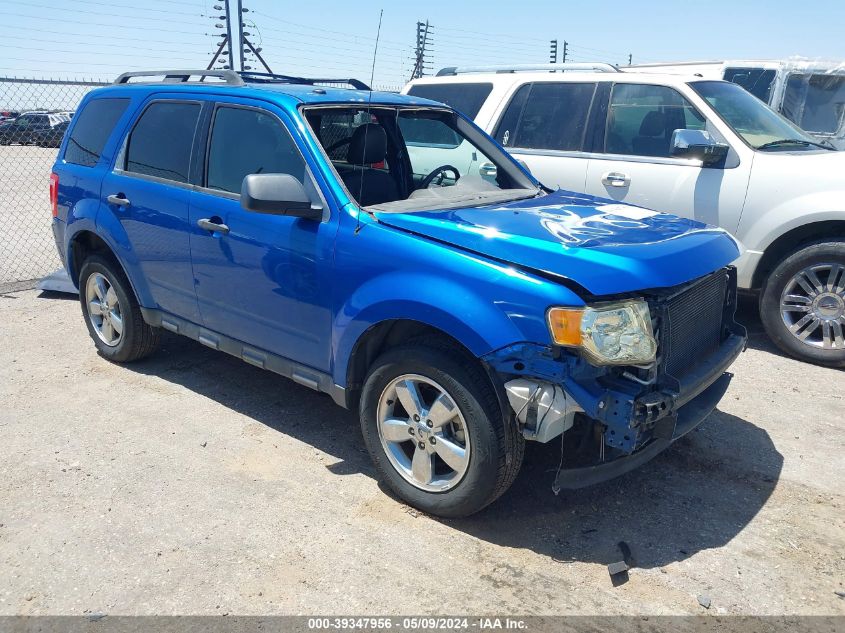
pixel 607 334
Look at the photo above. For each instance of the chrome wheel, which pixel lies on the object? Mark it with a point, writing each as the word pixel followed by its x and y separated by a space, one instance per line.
pixel 423 433
pixel 104 309
pixel 812 306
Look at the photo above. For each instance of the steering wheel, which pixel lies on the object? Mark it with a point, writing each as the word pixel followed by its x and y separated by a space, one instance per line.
pixel 439 171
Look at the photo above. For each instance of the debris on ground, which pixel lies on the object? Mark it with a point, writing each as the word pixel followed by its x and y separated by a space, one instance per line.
pixel 704 600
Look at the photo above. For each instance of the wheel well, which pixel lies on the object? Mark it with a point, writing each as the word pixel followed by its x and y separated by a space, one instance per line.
pixel 86 243
pixel 386 335
pixel 792 241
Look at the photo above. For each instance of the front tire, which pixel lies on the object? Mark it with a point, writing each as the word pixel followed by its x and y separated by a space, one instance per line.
pixel 802 304
pixel 112 313
pixel 435 431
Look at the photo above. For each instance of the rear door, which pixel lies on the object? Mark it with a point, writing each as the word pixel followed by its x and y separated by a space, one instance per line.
pixel 149 192
pixel 546 125
pixel 634 163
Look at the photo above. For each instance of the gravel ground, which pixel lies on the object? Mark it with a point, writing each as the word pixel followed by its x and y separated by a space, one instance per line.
pixel 192 483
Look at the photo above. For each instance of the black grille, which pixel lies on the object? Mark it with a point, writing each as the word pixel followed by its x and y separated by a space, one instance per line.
pixel 692 327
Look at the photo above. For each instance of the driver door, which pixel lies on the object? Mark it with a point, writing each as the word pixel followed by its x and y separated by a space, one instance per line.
pixel 263 279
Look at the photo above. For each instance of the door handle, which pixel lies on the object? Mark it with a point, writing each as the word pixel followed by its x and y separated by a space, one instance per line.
pixel 118 199
pixel 214 227
pixel 616 179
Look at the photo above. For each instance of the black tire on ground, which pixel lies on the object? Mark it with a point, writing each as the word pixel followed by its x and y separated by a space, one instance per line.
pixel 497 447
pixel 827 252
pixel 138 339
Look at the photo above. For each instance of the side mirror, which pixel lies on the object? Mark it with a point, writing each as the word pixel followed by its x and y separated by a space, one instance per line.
pixel 279 194
pixel 698 144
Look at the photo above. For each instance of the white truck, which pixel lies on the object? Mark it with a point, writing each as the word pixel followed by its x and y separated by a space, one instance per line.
pixel 700 148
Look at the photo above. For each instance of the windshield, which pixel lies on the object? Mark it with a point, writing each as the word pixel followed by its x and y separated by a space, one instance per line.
pixel 755 122
pixel 412 158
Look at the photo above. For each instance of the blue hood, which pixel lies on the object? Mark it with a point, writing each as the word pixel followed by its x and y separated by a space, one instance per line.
pixel 601 245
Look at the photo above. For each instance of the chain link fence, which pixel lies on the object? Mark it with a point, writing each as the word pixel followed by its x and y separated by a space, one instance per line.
pixel 35 114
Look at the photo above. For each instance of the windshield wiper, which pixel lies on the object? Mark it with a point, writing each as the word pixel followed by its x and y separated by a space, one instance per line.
pixel 791 141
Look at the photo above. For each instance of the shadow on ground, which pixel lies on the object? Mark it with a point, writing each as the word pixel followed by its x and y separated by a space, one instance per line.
pixel 697 495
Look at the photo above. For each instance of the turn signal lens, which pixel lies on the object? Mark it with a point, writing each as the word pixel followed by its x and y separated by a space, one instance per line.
pixel 565 325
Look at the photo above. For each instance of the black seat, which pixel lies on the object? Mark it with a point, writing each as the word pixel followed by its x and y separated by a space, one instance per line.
pixel 652 139
pixel 367 147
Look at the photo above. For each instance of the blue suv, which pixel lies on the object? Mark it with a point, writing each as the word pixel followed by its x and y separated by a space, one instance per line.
pixel 384 250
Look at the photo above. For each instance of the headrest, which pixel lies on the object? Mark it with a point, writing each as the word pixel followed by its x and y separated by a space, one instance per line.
pixel 368 145
pixel 654 124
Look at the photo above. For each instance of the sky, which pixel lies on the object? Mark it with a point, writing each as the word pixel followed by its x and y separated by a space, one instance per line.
pixel 99 39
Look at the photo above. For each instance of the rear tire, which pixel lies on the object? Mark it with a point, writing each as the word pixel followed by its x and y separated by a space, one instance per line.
pixel 802 304
pixel 446 387
pixel 112 313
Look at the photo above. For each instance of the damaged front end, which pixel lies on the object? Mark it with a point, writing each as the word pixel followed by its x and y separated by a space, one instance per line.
pixel 615 417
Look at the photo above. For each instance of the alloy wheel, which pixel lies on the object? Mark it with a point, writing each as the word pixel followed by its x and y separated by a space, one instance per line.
pixel 423 433
pixel 812 305
pixel 104 309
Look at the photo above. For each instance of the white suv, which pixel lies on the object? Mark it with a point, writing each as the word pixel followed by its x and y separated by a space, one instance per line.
pixel 703 149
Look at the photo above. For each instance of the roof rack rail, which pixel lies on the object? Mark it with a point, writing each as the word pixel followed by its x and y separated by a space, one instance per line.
pixel 253 77
pixel 230 77
pixel 601 67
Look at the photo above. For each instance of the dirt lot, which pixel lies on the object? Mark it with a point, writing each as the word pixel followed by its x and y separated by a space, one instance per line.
pixel 193 483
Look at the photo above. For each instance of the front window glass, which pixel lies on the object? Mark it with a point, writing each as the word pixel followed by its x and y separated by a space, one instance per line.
pixel 816 103
pixel 411 158
pixel 760 126
pixel 246 141
pixel 757 81
pixel 642 118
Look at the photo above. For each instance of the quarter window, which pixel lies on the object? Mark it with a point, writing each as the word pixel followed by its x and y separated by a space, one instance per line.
pixel 547 116
pixel 92 129
pixel 160 144
pixel 246 141
pixel 642 118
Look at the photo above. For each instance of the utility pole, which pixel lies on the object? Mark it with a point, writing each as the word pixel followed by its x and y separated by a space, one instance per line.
pixel 244 44
pixel 229 35
pixel 240 31
pixel 553 52
pixel 565 50
pixel 630 58
pixel 423 40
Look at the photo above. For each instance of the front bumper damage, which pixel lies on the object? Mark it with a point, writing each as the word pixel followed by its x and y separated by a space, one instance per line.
pixel 549 390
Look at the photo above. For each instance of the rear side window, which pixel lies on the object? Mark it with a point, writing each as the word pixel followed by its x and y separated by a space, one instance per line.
pixel 246 141
pixel 547 116
pixel 465 98
pixel 160 143
pixel 757 81
pixel 92 129
pixel 641 119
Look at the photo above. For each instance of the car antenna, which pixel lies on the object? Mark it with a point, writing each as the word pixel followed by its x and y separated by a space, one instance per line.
pixel 366 129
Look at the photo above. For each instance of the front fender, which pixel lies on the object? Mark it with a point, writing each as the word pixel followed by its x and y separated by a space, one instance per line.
pixel 480 325
pixel 759 232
